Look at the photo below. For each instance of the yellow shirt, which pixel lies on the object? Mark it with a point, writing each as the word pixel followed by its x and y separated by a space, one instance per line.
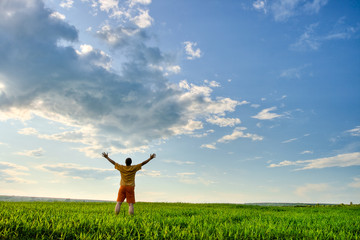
pixel 127 174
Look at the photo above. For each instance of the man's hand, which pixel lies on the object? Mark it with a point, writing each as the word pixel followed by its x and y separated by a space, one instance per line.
pixel 106 155
pixel 146 161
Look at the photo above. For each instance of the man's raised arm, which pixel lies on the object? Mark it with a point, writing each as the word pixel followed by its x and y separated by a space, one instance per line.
pixel 148 160
pixel 105 155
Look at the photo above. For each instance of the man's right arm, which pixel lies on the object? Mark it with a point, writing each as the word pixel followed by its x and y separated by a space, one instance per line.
pixel 105 155
pixel 148 160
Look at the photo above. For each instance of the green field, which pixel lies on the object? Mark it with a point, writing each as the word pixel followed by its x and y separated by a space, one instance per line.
pixel 88 220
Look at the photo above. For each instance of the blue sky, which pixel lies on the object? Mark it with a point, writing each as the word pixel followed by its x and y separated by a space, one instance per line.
pixel 242 101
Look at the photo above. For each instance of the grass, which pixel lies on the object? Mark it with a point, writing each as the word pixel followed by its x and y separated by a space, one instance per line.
pixel 77 220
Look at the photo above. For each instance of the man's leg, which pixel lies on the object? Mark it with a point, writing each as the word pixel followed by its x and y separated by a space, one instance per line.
pixel 117 207
pixel 131 208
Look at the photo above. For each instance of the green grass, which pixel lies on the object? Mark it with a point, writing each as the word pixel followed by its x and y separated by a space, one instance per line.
pixel 77 220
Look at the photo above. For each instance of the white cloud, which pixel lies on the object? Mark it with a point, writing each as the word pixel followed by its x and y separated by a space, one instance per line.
pixel 143 20
pixel 144 2
pixel 284 9
pixel 289 140
pixel 308 40
pixel 314 6
pixel 66 3
pixel 260 5
pixel 189 128
pixel 204 134
pixel 28 131
pixel 189 178
pixel 190 50
pixel 174 69
pixel 239 133
pixel 32 153
pixel 150 173
pixel 57 15
pixel 128 12
pixel 223 122
pixel 179 162
pixel 354 132
pixel 341 160
pixel 309 189
pixel 108 5
pixel 10 172
pixel 355 183
pixel 209 146
pixel 212 83
pixel 292 73
pixel 307 152
pixel 265 114
pixel 77 171
pixel 311 40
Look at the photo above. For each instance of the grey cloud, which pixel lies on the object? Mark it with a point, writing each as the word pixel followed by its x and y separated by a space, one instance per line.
pixel 121 36
pixel 79 89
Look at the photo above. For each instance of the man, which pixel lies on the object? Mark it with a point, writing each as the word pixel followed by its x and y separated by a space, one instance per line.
pixel 127 182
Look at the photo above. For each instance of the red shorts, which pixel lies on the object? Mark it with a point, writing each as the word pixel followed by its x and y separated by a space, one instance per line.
pixel 126 192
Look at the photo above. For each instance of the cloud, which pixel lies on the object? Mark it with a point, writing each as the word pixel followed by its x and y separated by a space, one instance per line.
pixel 120 36
pixel 179 162
pixel 314 6
pixel 354 132
pixel 57 15
pixel 265 114
pixel 260 5
pixel 77 171
pixel 32 153
pixel 282 10
pixel 307 152
pixel 212 83
pixel 10 172
pixel 190 50
pixel 209 146
pixel 308 40
pixel 341 160
pixel 223 122
pixel 122 110
pixel 311 40
pixel 130 12
pixel 293 73
pixel 150 173
pixel 189 178
pixel 28 131
pixel 355 183
pixel 239 133
pixel 144 2
pixel 66 3
pixel 289 140
pixel 143 20
pixel 309 189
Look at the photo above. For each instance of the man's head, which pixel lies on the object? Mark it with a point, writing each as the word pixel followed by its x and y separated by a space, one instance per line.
pixel 128 161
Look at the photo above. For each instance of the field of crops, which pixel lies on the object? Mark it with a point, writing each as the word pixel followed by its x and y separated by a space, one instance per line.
pixel 86 220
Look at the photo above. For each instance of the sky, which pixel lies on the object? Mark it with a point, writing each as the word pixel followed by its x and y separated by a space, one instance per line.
pixel 242 101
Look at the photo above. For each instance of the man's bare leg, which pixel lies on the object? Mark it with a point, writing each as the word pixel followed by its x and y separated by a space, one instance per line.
pixel 131 208
pixel 117 207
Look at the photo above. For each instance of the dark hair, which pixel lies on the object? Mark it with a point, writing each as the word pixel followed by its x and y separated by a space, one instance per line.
pixel 128 161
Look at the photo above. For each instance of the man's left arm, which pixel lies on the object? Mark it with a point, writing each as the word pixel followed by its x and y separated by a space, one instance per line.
pixel 148 160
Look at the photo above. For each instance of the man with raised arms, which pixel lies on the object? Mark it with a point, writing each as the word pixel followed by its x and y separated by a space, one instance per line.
pixel 127 182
